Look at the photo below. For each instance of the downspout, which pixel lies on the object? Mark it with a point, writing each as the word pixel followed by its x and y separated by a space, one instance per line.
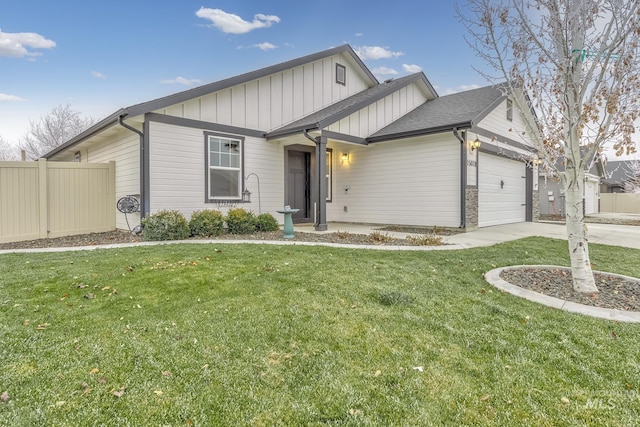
pixel 143 205
pixel 463 178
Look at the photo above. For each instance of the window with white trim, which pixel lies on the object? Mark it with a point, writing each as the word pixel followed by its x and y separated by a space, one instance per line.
pixel 224 162
pixel 509 110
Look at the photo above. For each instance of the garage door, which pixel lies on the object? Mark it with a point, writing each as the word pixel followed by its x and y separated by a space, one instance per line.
pixel 501 190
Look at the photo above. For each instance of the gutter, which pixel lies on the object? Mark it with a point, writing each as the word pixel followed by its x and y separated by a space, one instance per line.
pixel 143 204
pixel 93 130
pixel 463 178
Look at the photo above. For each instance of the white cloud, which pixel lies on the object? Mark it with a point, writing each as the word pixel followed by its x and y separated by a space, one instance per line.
pixel 265 46
pixel 411 68
pixel 359 34
pixel 384 71
pixel 16 45
pixel 230 23
pixel 181 80
pixel 98 75
pixel 376 52
pixel 10 98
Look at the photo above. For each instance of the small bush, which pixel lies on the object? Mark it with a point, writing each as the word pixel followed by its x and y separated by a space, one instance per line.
pixel 165 225
pixel 206 223
pixel 342 235
pixel 240 221
pixel 266 222
pixel 425 240
pixel 379 237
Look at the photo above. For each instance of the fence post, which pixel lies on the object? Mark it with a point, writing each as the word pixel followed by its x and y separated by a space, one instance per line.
pixel 112 194
pixel 43 204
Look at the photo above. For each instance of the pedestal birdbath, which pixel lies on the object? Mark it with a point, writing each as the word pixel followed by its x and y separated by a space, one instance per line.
pixel 288 221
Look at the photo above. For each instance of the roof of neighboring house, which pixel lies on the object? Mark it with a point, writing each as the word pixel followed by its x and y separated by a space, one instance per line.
pixel 460 110
pixel 342 109
pixel 156 104
pixel 620 171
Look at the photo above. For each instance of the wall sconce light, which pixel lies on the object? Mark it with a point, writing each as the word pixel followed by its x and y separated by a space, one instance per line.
pixel 475 144
pixel 344 157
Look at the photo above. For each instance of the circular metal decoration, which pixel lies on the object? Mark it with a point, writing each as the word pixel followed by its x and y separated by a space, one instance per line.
pixel 128 204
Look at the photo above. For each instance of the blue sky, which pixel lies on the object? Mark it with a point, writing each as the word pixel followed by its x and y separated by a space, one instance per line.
pixel 100 56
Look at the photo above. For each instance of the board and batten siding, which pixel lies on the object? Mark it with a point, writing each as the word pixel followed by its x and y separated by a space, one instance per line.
pixel 177 171
pixel 366 121
pixel 272 101
pixel 496 122
pixel 414 181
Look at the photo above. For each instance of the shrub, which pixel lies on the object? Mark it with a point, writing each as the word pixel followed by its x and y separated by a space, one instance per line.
pixel 165 225
pixel 266 222
pixel 206 223
pixel 240 221
pixel 425 240
pixel 379 237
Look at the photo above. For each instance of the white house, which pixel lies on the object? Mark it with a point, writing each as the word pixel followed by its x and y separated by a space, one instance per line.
pixel 321 134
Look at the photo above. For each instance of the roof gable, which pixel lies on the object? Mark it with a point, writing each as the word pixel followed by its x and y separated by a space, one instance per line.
pixel 333 113
pixel 186 95
pixel 459 110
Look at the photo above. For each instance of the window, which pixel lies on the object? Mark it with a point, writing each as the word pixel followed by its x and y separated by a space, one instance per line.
pixel 509 110
pixel 341 74
pixel 329 175
pixel 224 161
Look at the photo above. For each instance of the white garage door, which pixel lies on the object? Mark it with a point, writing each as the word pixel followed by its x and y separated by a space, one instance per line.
pixel 501 190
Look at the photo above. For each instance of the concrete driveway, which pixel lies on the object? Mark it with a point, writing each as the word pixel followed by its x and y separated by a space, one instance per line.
pixel 606 234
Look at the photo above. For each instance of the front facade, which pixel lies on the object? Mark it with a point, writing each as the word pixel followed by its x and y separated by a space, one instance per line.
pixel 322 135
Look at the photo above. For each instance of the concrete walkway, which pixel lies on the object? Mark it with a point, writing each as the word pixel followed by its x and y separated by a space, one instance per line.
pixel 606 234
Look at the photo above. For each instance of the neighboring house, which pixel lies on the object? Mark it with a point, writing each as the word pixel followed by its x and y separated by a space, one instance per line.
pixel 321 134
pixel 552 196
pixel 618 175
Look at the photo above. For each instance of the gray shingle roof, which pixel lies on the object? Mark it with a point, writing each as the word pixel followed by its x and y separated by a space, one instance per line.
pixel 460 110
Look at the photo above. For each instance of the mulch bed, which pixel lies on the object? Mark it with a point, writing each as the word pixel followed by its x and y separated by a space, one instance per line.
pixel 113 237
pixel 614 292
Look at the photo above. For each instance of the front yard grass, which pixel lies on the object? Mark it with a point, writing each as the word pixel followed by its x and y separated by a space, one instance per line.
pixel 261 335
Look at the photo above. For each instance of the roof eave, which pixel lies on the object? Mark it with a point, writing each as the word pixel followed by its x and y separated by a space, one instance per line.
pixel 91 131
pixel 420 132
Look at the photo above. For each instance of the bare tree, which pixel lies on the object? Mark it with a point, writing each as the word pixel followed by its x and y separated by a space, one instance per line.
pixel 577 62
pixel 7 151
pixel 632 171
pixel 52 130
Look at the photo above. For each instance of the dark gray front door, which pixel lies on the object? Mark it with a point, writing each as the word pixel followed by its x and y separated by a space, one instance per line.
pixel 298 184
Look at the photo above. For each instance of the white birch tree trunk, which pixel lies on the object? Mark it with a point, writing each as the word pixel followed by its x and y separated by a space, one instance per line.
pixel 583 280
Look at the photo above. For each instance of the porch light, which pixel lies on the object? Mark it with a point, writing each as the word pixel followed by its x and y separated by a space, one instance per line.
pixel 344 157
pixel 475 144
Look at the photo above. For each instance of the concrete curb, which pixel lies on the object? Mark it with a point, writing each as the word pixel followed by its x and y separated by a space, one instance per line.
pixel 493 278
pixel 234 242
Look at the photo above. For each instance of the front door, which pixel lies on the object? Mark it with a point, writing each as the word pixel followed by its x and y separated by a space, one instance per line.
pixel 298 184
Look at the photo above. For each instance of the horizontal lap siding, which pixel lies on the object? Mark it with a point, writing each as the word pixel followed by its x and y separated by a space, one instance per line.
pixel 177 171
pixel 125 151
pixel 413 182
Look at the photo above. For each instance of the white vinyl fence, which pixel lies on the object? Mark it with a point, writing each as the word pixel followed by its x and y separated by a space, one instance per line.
pixel 53 199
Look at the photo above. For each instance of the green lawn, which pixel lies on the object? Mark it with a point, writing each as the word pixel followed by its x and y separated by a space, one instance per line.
pixel 260 335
